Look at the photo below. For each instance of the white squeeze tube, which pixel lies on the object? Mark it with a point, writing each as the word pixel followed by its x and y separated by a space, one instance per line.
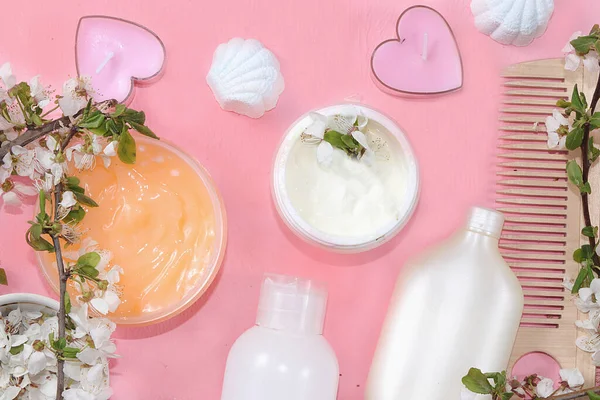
pixel 285 356
pixel 456 307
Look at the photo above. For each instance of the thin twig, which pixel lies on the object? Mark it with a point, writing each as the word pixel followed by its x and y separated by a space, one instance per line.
pixel 580 394
pixel 31 135
pixel 586 164
pixel 62 275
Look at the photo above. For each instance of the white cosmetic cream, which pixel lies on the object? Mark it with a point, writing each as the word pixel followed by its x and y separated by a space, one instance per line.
pixel 347 203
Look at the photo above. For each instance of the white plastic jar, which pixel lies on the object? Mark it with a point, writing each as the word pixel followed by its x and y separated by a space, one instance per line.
pixel 350 204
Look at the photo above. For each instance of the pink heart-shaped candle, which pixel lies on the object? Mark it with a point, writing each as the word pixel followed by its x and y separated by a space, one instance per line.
pixel 115 53
pixel 423 60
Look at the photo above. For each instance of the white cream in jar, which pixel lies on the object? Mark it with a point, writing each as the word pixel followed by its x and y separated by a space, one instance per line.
pixel 348 204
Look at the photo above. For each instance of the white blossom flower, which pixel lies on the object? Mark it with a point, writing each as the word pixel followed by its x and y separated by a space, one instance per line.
pixel 573 377
pixel 46 183
pixel 106 301
pixel 545 388
pixel 76 93
pixel 7 76
pixel 554 123
pixel 15 193
pixel 39 92
pixel 47 162
pixel 20 160
pixel 36 362
pixel 573 60
pixel 586 293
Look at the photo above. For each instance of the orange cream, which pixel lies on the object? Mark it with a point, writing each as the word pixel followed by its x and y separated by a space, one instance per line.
pixel 164 223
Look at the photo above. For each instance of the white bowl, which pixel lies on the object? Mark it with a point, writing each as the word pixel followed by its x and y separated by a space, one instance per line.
pixel 302 228
pixel 27 301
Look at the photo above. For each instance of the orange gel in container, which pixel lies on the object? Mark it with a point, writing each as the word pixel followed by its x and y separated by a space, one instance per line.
pixel 164 222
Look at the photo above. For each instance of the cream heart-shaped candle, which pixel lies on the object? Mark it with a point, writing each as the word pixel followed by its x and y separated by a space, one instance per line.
pixel 115 53
pixel 424 58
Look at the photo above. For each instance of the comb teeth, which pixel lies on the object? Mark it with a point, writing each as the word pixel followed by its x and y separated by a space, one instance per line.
pixel 532 192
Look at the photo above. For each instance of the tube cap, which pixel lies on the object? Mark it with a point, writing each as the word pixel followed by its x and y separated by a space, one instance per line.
pixel 486 221
pixel 292 304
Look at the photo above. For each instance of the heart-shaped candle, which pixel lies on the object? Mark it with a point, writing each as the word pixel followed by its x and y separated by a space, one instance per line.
pixel 116 53
pixel 423 60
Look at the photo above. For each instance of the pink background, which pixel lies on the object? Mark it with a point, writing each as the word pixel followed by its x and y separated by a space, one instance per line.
pixel 324 48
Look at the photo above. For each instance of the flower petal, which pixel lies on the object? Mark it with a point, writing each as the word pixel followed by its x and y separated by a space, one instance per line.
pixel 545 388
pixel 111 149
pixel 100 305
pixel 25 190
pixel 325 153
pixel 68 199
pixel 572 376
pixel 590 61
pixel 88 356
pixel 11 393
pixel 585 294
pixel 36 363
pixel 7 76
pixel 342 123
pixel 553 140
pixel 361 139
pixel 589 344
pixel 572 62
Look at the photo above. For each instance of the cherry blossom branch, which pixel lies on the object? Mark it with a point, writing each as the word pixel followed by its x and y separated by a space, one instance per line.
pixel 31 135
pixel 586 164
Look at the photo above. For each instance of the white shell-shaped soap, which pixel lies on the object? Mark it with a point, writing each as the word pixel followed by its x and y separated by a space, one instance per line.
pixel 515 22
pixel 245 77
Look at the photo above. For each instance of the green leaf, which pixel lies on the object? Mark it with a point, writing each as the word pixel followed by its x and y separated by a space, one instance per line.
pixel 76 189
pixel 477 382
pixel 574 138
pixel 90 259
pixel 350 142
pixel 38 244
pixel 130 115
pixel 94 120
pixel 583 273
pixel 112 127
pixel 597 47
pixel 73 181
pixel 85 200
pixel 586 188
pixel 593 151
pixel 583 44
pixel 61 343
pixel 587 252
pixel 576 102
pixel 119 109
pixel 574 173
pixel 3 280
pixel 143 129
pixel 70 352
pixel 75 215
pixel 88 271
pixel 507 396
pixel 126 149
pixel 593 396
pixel 590 231
pixel 335 139
pixel 17 349
pixel 36 231
pixel 102 130
pixel 67 302
pixel 578 256
pixel 595 121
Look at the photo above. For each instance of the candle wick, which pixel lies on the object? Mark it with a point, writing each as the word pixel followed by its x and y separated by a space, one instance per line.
pixel 108 57
pixel 425 47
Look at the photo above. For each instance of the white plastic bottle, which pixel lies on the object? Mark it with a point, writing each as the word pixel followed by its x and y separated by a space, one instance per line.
pixel 285 356
pixel 457 307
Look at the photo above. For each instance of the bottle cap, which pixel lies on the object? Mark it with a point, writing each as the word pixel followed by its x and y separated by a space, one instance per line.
pixel 486 221
pixel 292 304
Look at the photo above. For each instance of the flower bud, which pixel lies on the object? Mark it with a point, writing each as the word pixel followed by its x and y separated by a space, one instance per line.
pixel 103 285
pixel 38 345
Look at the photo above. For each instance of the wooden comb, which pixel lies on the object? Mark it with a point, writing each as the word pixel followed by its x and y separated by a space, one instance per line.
pixel 543 213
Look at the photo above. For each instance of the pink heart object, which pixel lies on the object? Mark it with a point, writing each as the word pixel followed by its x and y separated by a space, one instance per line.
pixel 116 54
pixel 423 60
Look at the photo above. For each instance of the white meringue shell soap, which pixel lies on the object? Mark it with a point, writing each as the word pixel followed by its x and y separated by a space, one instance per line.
pixel 245 77
pixel 516 22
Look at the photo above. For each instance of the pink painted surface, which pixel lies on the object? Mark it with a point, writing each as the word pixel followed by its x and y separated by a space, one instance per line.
pixel 113 52
pixel 424 58
pixel 324 48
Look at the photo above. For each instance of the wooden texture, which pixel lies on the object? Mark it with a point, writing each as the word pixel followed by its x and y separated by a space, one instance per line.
pixel 543 212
